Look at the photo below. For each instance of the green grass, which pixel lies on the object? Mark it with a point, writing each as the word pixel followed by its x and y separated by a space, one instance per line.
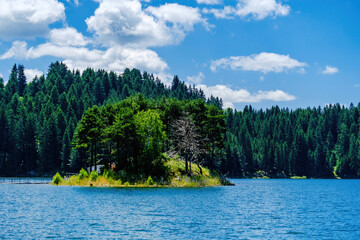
pixel 176 178
pixel 298 177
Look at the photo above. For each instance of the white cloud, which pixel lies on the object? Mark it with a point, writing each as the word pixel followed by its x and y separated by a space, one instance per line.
pixel 231 96
pixel 76 2
pixel 183 17
pixel 255 9
pixel 122 33
pixel 17 51
pixel 115 58
pixel 209 2
pixel 263 62
pixel 301 71
pixel 126 23
pixel 261 78
pixel 261 9
pixel 1 76
pixel 227 12
pixel 165 78
pixel 31 73
pixel 197 79
pixel 28 18
pixel 67 37
pixel 330 70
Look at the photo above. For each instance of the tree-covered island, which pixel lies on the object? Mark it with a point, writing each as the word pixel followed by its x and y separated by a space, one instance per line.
pixel 129 139
pixel 138 129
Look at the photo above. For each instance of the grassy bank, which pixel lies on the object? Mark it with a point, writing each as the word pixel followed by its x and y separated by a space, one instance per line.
pixel 176 177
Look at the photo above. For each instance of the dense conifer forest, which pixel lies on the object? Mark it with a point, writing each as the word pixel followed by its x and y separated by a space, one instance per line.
pixel 38 119
pixel 312 142
pixel 42 122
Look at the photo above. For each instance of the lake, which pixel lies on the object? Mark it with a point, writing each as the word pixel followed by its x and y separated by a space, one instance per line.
pixel 253 209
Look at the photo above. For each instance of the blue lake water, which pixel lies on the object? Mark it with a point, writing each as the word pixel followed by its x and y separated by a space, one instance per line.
pixel 253 209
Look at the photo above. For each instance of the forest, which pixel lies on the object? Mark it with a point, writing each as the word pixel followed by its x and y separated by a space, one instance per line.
pixel 43 122
pixel 131 135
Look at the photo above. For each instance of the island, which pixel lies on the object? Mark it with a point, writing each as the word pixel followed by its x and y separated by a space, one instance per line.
pixel 139 142
pixel 175 176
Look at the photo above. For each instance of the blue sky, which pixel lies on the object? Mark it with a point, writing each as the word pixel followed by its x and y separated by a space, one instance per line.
pixel 259 52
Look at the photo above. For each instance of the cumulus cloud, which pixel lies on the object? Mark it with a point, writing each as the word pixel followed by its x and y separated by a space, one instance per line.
pixel 330 70
pixel 115 58
pixel 165 78
pixel 17 51
pixel 197 79
pixel 76 2
pixel 263 62
pixel 231 96
pixel 67 37
pixel 183 17
pixel 228 12
pixel 126 23
pixel 122 31
pixel 28 18
pixel 31 73
pixel 255 9
pixel 209 2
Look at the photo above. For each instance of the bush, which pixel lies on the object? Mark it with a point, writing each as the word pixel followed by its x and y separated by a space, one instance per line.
pixel 83 174
pixel 150 181
pixel 108 174
pixel 93 175
pixel 57 179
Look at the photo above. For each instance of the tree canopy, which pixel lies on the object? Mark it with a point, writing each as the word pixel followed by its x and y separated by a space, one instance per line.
pixel 68 119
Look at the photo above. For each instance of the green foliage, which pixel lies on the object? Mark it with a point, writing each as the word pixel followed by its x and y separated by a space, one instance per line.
pixel 108 173
pixel 152 137
pixel 57 179
pixel 83 174
pixel 93 175
pixel 41 121
pixel 306 142
pixel 176 179
pixel 150 181
pixel 38 120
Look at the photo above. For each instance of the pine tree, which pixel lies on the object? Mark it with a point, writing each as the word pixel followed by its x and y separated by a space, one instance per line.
pixel 21 80
pixel 12 85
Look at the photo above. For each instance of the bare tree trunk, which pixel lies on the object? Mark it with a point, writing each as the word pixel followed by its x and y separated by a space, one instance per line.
pixel 91 156
pixel 201 172
pixel 95 156
pixel 190 167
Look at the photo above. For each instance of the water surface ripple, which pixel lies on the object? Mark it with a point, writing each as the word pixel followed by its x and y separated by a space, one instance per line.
pixel 253 209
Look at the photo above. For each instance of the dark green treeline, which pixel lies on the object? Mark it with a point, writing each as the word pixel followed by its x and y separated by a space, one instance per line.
pixel 38 119
pixel 313 142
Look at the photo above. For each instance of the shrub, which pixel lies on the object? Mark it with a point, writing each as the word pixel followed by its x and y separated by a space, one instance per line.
pixel 108 173
pixel 57 179
pixel 83 174
pixel 150 181
pixel 93 175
